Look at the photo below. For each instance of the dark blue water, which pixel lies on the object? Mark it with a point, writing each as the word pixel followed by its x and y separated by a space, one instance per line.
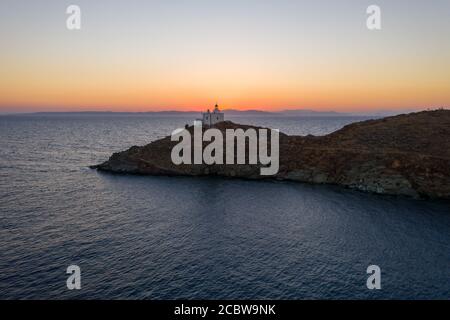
pixel 167 238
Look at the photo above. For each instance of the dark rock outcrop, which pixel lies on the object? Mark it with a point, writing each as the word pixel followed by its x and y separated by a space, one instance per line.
pixel 401 155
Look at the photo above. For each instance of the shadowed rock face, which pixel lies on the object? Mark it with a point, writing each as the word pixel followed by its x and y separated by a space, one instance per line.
pixel 401 155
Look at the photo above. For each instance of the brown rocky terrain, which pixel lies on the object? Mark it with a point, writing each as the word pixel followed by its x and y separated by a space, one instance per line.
pixel 401 155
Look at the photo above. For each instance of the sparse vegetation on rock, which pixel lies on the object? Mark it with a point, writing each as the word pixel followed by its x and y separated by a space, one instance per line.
pixel 401 155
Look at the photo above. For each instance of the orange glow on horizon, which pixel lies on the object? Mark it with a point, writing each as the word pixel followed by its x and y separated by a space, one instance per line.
pixel 60 86
pixel 161 55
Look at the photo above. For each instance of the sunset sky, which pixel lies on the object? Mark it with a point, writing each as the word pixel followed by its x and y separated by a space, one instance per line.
pixel 245 54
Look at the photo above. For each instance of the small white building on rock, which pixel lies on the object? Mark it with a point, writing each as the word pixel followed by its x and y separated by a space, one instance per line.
pixel 211 118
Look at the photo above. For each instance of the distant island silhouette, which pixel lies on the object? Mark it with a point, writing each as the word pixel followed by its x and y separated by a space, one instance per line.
pixel 236 112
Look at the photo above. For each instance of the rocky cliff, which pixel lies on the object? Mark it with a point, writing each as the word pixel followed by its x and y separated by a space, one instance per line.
pixel 401 155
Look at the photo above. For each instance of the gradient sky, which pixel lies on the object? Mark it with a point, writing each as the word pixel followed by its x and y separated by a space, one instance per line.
pixel 246 54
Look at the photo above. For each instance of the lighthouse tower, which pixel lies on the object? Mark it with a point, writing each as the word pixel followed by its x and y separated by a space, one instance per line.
pixel 211 118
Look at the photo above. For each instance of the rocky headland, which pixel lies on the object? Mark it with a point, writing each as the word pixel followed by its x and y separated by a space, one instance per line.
pixel 401 155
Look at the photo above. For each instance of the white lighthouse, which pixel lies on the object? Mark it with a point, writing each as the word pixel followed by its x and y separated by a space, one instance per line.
pixel 211 118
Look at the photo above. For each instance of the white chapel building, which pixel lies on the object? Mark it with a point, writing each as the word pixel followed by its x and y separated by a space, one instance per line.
pixel 211 118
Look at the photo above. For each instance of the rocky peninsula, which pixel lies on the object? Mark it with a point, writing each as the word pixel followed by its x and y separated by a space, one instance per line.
pixel 401 155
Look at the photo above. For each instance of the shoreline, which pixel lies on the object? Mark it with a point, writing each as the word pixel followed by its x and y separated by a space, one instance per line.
pixel 402 155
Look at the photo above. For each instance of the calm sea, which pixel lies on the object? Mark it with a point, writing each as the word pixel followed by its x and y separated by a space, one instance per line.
pixel 198 238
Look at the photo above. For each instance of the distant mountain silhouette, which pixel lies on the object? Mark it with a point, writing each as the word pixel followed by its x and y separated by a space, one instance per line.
pixel 311 113
pixel 292 112
pixel 298 112
pixel 235 112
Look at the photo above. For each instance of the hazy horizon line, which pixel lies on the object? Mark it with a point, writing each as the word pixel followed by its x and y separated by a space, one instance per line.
pixel 298 110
